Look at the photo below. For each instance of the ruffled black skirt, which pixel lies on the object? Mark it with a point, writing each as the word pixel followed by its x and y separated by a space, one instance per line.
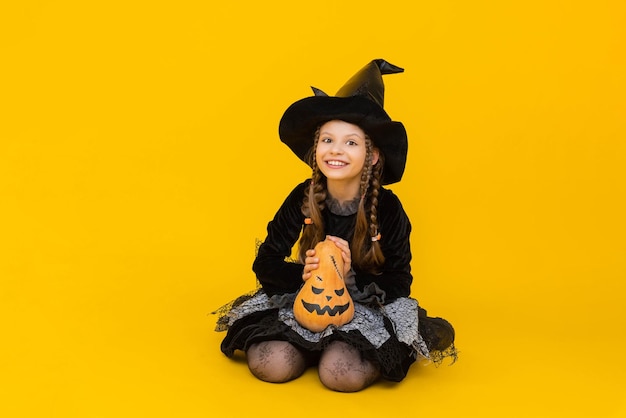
pixel 393 335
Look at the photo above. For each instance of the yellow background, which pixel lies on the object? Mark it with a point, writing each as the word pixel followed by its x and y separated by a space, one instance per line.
pixel 139 162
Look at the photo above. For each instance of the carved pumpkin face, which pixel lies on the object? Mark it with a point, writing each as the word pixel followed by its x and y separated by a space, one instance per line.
pixel 323 299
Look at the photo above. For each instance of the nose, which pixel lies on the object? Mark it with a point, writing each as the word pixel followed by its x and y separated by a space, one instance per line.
pixel 336 148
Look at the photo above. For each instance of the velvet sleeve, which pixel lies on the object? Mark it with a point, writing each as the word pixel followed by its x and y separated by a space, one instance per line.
pixel 274 272
pixel 395 228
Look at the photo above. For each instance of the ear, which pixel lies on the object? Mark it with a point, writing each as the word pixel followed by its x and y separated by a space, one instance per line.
pixel 375 155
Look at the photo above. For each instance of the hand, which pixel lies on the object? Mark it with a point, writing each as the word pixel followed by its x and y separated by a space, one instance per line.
pixel 310 263
pixel 345 253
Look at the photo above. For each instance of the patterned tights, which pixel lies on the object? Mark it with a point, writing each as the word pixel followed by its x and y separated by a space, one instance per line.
pixel 340 368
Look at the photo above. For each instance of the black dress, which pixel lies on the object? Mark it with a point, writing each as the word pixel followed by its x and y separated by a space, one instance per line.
pixel 389 328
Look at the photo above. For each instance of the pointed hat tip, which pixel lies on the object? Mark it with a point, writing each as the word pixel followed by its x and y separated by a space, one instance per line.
pixel 318 92
pixel 386 67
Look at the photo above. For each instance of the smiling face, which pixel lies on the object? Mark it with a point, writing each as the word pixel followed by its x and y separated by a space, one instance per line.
pixel 341 153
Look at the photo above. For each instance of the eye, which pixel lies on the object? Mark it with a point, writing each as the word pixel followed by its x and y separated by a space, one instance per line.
pixel 316 290
pixel 340 291
pixel 326 140
pixel 351 142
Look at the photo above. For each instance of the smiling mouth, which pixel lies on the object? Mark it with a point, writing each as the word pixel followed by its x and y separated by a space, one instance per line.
pixel 335 163
pixel 314 307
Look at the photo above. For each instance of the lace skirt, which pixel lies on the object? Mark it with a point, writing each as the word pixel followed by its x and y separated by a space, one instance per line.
pixel 389 335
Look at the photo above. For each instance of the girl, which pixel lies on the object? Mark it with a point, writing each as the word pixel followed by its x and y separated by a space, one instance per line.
pixel 353 148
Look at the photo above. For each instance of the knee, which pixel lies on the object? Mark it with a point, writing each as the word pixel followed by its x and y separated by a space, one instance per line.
pixel 275 361
pixel 342 369
pixel 270 373
pixel 342 381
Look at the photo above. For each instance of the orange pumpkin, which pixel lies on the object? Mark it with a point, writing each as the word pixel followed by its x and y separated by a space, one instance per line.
pixel 323 299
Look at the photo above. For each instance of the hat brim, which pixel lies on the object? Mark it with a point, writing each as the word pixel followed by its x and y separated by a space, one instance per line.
pixel 302 118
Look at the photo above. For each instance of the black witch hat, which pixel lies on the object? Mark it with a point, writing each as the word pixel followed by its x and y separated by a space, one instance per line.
pixel 359 101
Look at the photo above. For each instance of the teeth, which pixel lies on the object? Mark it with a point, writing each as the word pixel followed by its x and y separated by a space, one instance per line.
pixel 336 163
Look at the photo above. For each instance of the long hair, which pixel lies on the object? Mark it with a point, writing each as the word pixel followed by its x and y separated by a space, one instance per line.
pixel 364 246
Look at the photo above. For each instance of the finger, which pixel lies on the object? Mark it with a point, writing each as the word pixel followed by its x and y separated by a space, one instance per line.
pixel 310 267
pixel 340 242
pixel 345 252
pixel 311 260
pixel 335 239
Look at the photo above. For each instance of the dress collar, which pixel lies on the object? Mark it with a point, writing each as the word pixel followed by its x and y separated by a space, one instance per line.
pixel 345 209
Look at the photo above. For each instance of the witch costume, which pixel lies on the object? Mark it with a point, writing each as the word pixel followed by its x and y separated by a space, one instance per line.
pixel 389 327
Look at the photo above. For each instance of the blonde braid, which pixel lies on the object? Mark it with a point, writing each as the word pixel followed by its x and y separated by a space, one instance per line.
pixel 312 205
pixel 376 255
pixel 366 253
